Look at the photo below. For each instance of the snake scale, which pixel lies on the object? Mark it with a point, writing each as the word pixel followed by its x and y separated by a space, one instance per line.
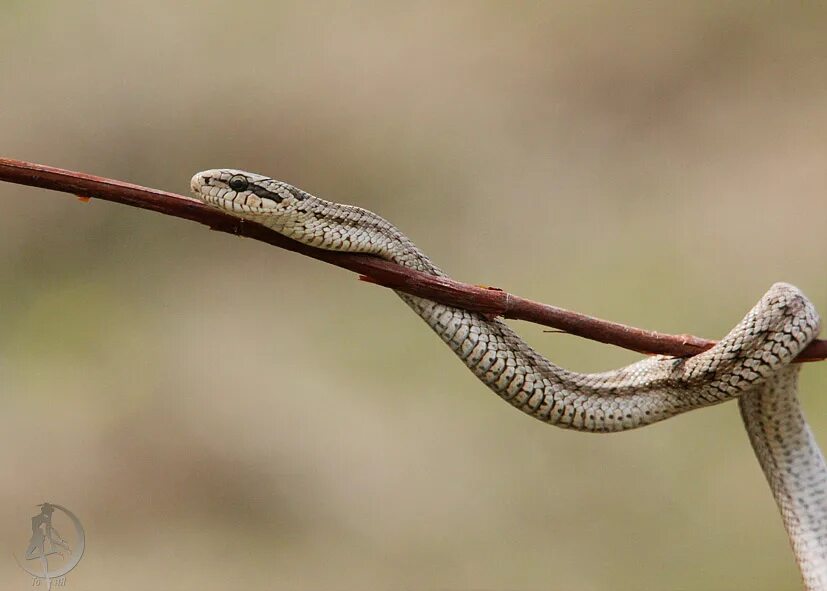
pixel 751 363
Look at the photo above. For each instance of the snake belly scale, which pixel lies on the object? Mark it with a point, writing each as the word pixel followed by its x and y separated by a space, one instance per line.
pixel 752 363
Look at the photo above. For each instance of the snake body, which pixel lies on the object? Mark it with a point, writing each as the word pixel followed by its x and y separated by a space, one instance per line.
pixel 751 363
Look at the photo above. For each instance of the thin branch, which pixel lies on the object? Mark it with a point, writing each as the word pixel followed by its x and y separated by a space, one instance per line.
pixel 485 300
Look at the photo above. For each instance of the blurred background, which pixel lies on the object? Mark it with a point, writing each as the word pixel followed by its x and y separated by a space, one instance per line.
pixel 223 414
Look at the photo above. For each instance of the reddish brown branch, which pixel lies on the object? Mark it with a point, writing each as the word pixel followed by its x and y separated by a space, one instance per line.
pixel 489 301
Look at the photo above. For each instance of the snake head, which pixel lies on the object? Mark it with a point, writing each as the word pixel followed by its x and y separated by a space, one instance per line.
pixel 246 194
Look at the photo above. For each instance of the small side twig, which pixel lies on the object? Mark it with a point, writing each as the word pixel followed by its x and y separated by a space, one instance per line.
pixel 488 301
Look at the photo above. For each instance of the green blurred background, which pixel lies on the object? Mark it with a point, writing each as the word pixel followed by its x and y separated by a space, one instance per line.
pixel 223 414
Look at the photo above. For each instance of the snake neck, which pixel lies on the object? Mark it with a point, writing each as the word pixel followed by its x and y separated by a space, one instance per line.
pixel 348 228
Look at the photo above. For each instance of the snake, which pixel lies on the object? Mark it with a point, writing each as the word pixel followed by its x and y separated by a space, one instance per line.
pixel 752 363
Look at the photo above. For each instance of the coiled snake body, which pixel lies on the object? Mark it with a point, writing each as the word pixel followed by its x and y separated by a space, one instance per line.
pixel 751 363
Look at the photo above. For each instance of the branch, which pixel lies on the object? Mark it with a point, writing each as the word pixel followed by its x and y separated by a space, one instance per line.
pixel 485 300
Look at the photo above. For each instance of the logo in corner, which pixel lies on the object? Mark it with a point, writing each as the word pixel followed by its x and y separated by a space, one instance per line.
pixel 49 556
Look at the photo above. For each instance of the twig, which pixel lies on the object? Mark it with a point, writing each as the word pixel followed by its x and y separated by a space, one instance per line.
pixel 485 300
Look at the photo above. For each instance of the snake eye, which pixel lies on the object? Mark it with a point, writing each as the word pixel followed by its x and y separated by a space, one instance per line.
pixel 238 183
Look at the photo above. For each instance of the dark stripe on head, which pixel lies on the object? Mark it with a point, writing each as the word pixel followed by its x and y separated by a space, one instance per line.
pixel 266 194
pixel 275 196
